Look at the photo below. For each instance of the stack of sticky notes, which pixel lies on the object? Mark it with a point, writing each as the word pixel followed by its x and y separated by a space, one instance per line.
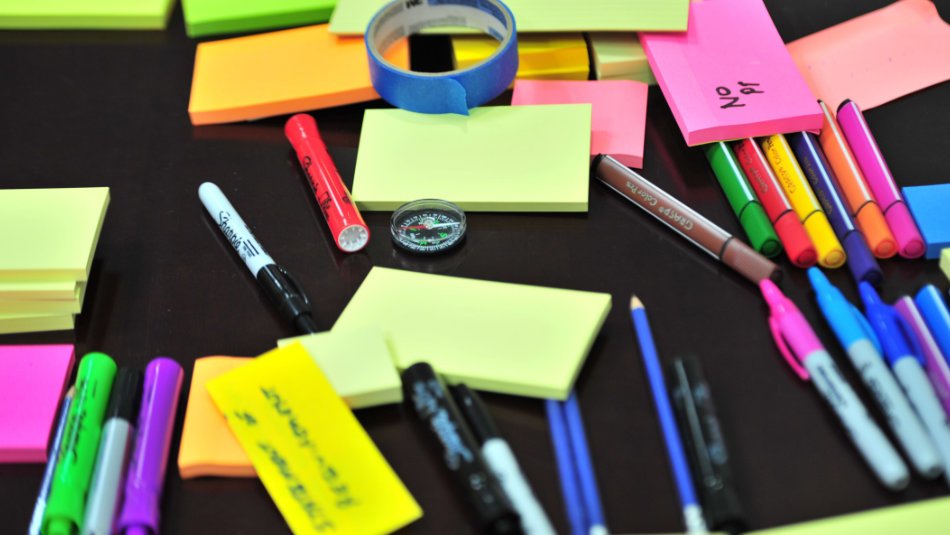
pixel 498 158
pixel 540 56
pixel 283 72
pixel 215 17
pixel 929 205
pixel 729 75
pixel 619 56
pixel 618 108
pixel 48 240
pixel 357 363
pixel 85 14
pixel 32 382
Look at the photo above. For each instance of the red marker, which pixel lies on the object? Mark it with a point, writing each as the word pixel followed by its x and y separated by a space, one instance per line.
pixel 789 228
pixel 346 224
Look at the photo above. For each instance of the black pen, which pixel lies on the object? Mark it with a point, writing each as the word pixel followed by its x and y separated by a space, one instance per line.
pixel 431 403
pixel 284 292
pixel 707 452
pixel 501 460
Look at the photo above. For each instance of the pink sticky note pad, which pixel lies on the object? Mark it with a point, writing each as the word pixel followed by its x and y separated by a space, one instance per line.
pixel 877 57
pixel 32 382
pixel 729 76
pixel 618 108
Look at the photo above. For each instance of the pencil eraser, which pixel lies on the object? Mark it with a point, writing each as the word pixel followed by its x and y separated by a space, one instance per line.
pixel 798 246
pixel 928 204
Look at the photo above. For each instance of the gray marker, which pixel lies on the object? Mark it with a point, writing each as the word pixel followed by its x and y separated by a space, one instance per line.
pixel 118 433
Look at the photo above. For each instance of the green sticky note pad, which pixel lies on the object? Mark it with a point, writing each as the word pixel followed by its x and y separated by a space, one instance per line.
pixel 498 159
pixel 85 14
pixel 499 337
pixel 216 17
pixel 50 234
pixel 357 363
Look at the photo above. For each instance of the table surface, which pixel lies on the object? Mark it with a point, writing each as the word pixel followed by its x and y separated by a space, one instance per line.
pixel 109 109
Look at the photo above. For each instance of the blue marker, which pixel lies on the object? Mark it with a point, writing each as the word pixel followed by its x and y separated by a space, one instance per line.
pixel 934 310
pixel 861 261
pixel 908 365
pixel 858 340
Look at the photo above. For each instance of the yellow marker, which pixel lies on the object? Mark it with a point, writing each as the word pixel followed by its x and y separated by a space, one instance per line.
pixel 804 202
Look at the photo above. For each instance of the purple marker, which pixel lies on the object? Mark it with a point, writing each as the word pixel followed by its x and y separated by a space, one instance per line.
pixel 936 364
pixel 143 485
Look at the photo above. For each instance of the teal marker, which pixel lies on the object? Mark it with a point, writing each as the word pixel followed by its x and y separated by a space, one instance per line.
pixel 742 199
pixel 77 455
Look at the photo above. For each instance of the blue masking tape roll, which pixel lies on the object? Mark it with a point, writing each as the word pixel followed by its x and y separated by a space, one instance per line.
pixel 445 92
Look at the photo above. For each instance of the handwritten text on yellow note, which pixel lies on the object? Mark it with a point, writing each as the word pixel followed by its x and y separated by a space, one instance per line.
pixel 316 461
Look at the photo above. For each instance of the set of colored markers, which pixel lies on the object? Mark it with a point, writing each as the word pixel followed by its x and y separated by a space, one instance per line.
pixel 913 392
pixel 107 459
pixel 828 199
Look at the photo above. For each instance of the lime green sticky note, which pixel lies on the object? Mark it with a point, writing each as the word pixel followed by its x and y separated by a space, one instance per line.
pixel 352 16
pixel 920 518
pixel 508 338
pixel 505 158
pixel 357 363
pixel 85 14
pixel 50 234
pixel 62 289
pixel 619 56
pixel 31 323
pixel 215 17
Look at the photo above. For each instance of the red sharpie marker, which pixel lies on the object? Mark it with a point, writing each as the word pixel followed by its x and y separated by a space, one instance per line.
pixel 346 224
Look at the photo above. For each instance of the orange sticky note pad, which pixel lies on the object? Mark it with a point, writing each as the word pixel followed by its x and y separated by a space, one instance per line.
pixel 208 448
pixel 282 72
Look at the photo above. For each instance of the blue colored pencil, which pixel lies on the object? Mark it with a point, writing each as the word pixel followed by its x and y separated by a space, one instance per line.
pixel 692 512
pixel 584 467
pixel 570 486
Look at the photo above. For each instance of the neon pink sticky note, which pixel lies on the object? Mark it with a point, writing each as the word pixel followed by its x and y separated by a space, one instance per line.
pixel 32 381
pixel 877 57
pixel 729 76
pixel 618 111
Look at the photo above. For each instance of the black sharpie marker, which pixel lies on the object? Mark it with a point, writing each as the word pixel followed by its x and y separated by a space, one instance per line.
pixel 431 403
pixel 279 284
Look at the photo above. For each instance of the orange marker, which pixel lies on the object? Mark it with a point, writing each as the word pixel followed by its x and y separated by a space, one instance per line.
pixel 864 209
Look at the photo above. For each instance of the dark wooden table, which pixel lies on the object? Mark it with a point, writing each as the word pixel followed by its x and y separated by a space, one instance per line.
pixel 109 109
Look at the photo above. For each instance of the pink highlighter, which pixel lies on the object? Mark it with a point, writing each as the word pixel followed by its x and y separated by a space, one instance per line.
pixel 855 129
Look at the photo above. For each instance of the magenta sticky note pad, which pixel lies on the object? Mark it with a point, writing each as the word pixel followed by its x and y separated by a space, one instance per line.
pixel 618 111
pixel 32 382
pixel 729 76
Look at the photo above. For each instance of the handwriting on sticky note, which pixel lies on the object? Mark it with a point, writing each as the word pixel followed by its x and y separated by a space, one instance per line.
pixel 745 88
pixel 316 461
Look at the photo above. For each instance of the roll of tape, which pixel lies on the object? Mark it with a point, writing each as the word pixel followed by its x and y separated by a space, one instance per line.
pixel 445 92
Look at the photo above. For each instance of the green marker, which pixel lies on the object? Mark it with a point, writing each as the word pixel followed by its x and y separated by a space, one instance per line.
pixel 77 455
pixel 744 203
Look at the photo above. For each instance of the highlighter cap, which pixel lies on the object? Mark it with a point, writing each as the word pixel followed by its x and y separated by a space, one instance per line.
pixel 861 262
pixel 870 220
pixel 761 234
pixel 830 252
pixel 909 241
pixel 798 246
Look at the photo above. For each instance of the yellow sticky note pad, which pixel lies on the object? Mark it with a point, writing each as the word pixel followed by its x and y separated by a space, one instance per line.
pixel 945 262
pixel 560 56
pixel 318 464
pixel 928 517
pixel 357 363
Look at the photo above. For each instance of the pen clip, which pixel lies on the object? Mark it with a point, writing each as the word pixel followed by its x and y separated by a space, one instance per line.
pixel 868 330
pixel 785 351
pixel 296 286
pixel 909 336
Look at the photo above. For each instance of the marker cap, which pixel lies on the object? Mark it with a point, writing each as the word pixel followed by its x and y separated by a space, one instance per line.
pixel 798 246
pixel 126 394
pixel 909 241
pixel 870 220
pixel 757 227
pixel 861 262
pixel 830 252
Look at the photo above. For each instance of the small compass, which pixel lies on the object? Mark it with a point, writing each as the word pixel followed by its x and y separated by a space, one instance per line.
pixel 428 226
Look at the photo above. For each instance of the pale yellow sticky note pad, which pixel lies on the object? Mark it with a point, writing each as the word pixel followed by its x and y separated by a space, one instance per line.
pixel 357 363
pixel 503 158
pixel 318 464
pixel 928 517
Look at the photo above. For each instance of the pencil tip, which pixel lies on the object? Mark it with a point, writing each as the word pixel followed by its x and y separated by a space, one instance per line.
pixel 635 302
pixel 71 392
